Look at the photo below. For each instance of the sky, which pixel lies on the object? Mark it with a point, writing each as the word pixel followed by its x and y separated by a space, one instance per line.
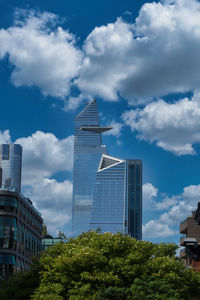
pixel 140 61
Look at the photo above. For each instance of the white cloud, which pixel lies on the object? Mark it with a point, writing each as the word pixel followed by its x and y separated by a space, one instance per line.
pixel 167 224
pixel 153 200
pixel 44 155
pixel 155 56
pixel 174 127
pixel 116 130
pixel 105 60
pixel 155 229
pixel 53 199
pixel 149 193
pixel 191 193
pixel 166 202
pixel 73 102
pixel 5 137
pixel 42 54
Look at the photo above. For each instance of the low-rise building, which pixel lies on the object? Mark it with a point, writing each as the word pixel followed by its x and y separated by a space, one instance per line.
pixel 190 254
pixel 20 232
pixel 48 241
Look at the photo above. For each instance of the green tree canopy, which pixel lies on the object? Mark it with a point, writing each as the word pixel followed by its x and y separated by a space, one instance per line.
pixel 44 230
pixel 108 266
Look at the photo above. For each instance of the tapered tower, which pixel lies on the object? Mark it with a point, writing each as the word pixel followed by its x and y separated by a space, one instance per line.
pixel 88 149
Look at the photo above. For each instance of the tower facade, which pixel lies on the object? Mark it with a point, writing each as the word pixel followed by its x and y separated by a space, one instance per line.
pixel 117 203
pixel 10 166
pixel 88 149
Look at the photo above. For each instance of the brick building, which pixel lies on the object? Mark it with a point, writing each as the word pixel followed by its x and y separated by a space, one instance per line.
pixel 190 228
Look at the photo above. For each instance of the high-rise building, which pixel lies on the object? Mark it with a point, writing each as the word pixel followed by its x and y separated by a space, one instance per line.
pixel 107 191
pixel 117 203
pixel 88 149
pixel 10 166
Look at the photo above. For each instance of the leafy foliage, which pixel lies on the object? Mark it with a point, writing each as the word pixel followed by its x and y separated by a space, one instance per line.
pixel 98 266
pixel 20 286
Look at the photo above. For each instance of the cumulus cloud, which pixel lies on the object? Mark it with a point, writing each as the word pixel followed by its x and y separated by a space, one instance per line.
pixel 73 102
pixel 168 222
pixel 166 202
pixel 153 200
pixel 105 60
pixel 174 127
pixel 5 137
pixel 149 193
pixel 44 155
pixel 43 54
pixel 116 130
pixel 53 199
pixel 155 56
pixel 155 229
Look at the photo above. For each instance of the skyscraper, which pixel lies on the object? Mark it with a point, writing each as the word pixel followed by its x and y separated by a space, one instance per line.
pixel 10 166
pixel 107 191
pixel 117 203
pixel 88 149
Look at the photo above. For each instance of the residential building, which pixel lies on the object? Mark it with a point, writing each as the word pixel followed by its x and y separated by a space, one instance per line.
pixel 190 240
pixel 88 149
pixel 20 232
pixel 117 204
pixel 10 166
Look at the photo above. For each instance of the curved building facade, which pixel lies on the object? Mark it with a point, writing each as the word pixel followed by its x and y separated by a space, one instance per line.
pixel 20 232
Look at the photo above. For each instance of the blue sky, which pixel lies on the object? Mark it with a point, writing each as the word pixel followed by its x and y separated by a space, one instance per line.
pixel 140 60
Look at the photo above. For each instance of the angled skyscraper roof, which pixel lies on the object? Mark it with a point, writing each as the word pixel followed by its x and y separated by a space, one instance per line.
pixel 89 111
pixel 108 161
pixel 88 149
pixel 117 202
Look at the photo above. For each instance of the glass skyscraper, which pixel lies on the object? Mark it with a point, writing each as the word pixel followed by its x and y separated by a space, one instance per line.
pixel 107 191
pixel 10 166
pixel 88 149
pixel 117 203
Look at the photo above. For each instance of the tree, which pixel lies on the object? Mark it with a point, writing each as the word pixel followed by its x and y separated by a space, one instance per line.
pixel 20 286
pixel 98 266
pixel 44 230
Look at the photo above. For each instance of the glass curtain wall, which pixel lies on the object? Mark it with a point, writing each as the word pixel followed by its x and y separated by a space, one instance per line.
pixel 10 166
pixel 134 198
pixel 117 204
pixel 109 206
pixel 88 149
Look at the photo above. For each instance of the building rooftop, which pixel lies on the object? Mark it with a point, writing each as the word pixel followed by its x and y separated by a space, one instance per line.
pixel 27 200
